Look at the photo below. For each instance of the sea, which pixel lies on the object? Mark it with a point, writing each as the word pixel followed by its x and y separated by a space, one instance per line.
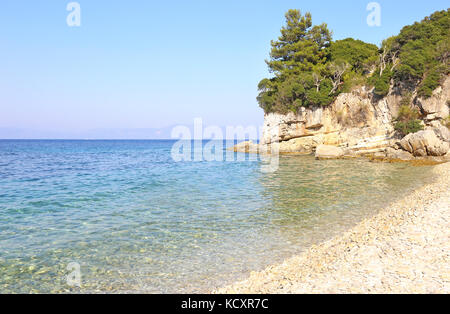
pixel 125 216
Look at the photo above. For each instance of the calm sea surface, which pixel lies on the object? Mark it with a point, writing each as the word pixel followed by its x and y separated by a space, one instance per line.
pixel 136 221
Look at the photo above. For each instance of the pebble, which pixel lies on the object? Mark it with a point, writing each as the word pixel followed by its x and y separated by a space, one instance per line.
pixel 403 249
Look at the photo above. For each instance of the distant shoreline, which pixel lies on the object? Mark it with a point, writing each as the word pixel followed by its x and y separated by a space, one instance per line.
pixel 403 249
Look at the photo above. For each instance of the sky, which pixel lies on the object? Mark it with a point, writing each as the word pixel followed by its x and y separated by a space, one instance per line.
pixel 155 64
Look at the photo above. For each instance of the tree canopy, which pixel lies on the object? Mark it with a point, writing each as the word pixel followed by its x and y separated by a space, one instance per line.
pixel 310 69
pixel 360 55
pixel 423 50
pixel 298 61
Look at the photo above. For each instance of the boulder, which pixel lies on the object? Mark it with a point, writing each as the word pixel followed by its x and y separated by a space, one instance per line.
pixel 442 132
pixel 304 145
pixel 329 152
pixel 424 143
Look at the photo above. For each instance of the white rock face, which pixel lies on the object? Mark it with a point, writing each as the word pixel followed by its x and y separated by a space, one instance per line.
pixel 354 121
pixel 282 127
pixel 436 107
pixel 351 121
pixel 442 132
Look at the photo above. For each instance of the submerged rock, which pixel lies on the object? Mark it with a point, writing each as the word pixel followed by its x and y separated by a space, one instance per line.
pixel 392 153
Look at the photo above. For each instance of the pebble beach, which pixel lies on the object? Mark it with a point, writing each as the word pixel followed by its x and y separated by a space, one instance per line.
pixel 405 248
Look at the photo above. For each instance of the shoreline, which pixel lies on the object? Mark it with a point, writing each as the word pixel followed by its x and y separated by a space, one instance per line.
pixel 405 248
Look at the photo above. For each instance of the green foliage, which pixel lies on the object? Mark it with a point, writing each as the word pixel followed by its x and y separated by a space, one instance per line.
pixel 430 82
pixel 381 83
pixel 407 120
pixel 406 101
pixel 418 56
pixel 360 55
pixel 406 113
pixel 301 46
pixel 423 49
pixel 407 127
pixel 351 80
pixel 298 60
pixel 309 69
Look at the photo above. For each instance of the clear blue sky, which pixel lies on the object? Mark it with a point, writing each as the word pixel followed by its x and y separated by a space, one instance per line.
pixel 145 64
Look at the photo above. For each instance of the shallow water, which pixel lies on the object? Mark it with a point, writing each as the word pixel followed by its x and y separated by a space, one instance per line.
pixel 136 221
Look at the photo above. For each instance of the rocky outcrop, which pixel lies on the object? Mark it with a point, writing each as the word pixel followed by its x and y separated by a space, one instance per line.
pixel 329 152
pixel 354 120
pixel 424 143
pixel 361 124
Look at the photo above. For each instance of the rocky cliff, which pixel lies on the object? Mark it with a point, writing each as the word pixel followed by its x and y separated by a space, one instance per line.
pixel 359 123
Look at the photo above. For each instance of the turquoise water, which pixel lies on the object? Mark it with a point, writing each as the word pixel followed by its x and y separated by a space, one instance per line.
pixel 136 221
